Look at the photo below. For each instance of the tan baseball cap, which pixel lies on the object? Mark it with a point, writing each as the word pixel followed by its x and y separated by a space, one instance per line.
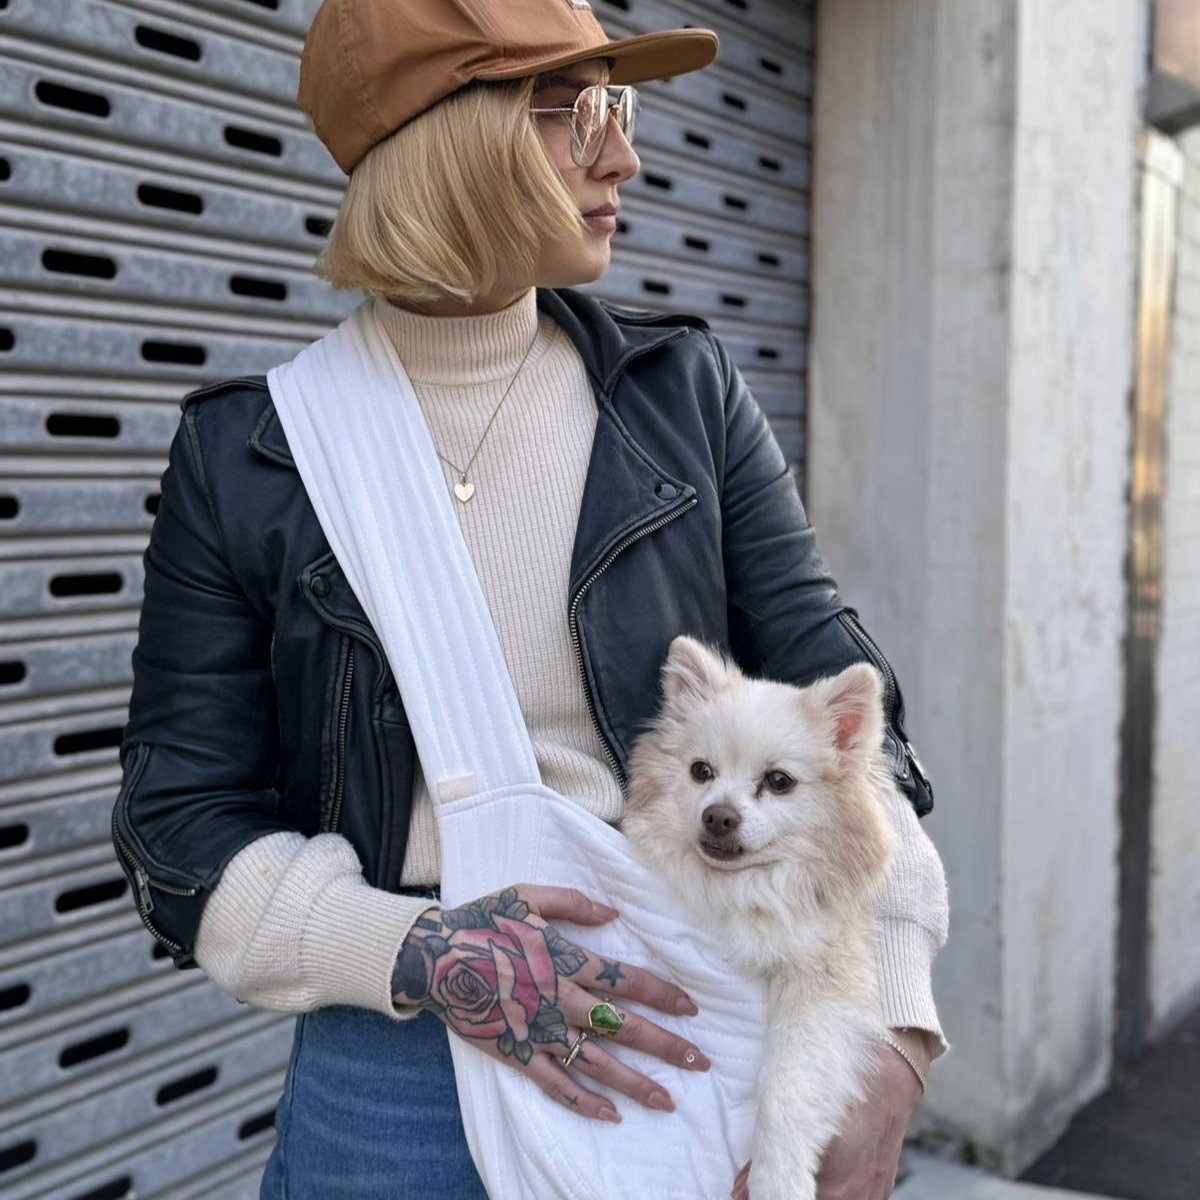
pixel 368 66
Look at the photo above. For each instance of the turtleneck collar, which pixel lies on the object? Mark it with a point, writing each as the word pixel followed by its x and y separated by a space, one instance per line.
pixel 480 348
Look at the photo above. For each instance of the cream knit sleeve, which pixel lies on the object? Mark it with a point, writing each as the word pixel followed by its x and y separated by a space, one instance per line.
pixel 914 916
pixel 293 925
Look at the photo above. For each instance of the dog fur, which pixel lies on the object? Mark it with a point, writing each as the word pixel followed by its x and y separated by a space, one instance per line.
pixel 788 877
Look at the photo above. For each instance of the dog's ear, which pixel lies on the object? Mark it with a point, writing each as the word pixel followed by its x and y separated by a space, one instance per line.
pixel 693 672
pixel 853 702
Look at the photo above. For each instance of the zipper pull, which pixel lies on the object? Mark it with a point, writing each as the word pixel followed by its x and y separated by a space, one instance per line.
pixel 918 769
pixel 143 884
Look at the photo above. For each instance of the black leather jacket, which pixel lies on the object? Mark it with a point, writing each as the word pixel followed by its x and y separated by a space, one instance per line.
pixel 262 699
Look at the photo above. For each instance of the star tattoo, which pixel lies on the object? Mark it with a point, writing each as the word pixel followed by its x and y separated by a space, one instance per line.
pixel 612 973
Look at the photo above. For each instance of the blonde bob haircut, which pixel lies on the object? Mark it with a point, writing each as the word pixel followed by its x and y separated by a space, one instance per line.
pixel 441 207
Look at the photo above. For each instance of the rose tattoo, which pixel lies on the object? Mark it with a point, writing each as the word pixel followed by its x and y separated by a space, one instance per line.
pixel 490 974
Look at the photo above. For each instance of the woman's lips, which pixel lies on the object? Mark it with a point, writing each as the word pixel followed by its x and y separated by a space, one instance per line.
pixel 605 223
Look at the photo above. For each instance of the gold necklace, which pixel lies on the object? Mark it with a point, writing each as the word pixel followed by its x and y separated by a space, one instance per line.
pixel 463 489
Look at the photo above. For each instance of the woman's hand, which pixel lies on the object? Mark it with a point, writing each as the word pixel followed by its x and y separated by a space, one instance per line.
pixel 861 1162
pixel 498 974
pixel 863 1159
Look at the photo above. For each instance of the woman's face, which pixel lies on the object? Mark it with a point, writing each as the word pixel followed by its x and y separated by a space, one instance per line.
pixel 575 257
pixel 582 257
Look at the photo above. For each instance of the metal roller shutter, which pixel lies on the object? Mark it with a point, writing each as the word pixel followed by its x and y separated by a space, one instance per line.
pixel 716 221
pixel 160 204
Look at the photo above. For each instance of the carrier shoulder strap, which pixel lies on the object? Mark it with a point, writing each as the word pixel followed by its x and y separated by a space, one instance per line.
pixel 368 463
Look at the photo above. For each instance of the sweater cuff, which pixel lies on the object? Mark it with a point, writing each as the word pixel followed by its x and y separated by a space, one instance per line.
pixel 904 960
pixel 293 926
pixel 350 943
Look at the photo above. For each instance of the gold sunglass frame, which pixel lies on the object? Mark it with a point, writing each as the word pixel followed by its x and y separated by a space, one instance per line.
pixel 619 98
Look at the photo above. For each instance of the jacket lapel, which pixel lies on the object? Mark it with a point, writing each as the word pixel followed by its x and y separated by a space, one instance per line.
pixel 623 491
pixel 268 439
pixel 624 488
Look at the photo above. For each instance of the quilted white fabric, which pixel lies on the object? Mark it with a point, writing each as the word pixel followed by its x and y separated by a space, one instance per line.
pixel 368 463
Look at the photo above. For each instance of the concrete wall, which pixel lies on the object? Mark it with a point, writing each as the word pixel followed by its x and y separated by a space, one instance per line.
pixel 1175 829
pixel 974 188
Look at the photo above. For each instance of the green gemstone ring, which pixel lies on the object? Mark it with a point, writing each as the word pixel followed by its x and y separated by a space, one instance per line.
pixel 605 1020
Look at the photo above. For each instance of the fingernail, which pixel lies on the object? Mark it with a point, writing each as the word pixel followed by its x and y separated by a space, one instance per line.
pixel 686 1006
pixel 695 1060
pixel 604 908
pixel 610 1114
pixel 661 1101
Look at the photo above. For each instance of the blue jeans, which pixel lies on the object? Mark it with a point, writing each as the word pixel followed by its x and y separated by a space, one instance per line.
pixel 369 1111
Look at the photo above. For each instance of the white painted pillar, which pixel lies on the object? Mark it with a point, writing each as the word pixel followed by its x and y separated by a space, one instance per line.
pixel 973 290
pixel 1174 974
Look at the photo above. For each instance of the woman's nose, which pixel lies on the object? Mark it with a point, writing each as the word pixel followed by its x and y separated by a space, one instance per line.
pixel 617 158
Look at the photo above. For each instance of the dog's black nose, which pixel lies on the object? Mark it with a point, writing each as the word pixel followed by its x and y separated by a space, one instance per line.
pixel 720 820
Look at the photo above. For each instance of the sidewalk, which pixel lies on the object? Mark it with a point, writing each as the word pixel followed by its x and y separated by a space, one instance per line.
pixel 1141 1138
pixel 933 1179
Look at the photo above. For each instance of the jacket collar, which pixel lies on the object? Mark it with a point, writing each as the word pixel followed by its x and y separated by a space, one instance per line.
pixel 606 342
pixel 624 487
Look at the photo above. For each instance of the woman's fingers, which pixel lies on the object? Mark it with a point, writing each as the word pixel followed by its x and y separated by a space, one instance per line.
pixel 633 983
pixel 566 1087
pixel 741 1185
pixel 603 974
pixel 564 904
pixel 557 1082
pixel 596 1063
pixel 635 1031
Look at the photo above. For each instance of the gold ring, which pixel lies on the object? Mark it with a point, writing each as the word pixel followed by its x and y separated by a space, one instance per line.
pixel 576 1046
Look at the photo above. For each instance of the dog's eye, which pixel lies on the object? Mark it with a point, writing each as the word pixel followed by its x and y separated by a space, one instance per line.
pixel 701 771
pixel 779 781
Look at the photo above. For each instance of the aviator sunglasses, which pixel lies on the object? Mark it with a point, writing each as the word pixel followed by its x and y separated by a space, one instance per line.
pixel 589 117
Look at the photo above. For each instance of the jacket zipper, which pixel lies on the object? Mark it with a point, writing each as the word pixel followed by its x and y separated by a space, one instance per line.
pixel 860 635
pixel 343 718
pixel 890 692
pixel 145 902
pixel 573 612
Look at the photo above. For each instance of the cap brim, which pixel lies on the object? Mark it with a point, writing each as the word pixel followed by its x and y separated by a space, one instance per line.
pixel 648 56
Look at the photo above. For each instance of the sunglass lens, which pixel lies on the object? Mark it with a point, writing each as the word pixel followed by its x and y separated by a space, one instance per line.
pixel 591 119
pixel 627 112
pixel 591 111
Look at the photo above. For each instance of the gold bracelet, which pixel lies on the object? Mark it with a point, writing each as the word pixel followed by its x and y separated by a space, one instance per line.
pixel 899 1049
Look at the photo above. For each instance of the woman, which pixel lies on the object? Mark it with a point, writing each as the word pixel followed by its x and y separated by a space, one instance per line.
pixel 273 817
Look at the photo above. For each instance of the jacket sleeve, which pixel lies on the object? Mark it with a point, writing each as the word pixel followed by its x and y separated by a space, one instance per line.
pixel 199 751
pixel 786 619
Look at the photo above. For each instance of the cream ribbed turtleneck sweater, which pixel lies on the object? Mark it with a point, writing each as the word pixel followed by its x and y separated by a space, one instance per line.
pixel 292 924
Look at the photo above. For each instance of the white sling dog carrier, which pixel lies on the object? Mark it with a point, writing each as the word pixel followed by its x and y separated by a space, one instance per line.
pixel 368 464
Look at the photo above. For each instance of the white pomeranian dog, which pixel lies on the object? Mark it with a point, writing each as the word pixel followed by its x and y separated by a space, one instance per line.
pixel 761 805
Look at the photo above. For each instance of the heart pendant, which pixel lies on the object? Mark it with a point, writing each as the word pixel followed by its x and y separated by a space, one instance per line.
pixel 464 491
